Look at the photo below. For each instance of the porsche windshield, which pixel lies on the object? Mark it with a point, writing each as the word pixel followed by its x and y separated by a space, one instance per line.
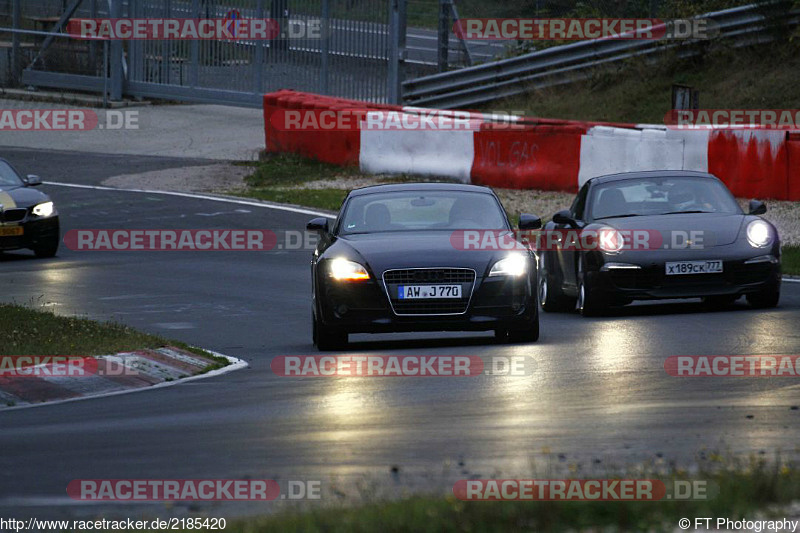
pixel 661 196
pixel 8 177
pixel 422 210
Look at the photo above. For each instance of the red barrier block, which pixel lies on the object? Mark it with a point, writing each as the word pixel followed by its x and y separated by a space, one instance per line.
pixel 753 164
pixel 542 157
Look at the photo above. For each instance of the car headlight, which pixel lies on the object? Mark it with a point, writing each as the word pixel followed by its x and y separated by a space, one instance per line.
pixel 344 270
pixel 610 240
pixel 759 234
pixel 44 209
pixel 513 265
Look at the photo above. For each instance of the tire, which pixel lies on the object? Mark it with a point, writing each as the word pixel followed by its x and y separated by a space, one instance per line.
pixel 551 293
pixel 326 339
pixel 765 299
pixel 46 249
pixel 589 302
pixel 529 334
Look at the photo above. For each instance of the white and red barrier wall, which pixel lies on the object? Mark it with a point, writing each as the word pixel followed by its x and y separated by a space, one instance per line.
pixel 542 153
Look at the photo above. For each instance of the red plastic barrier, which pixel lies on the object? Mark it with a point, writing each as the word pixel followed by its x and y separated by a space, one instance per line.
pixel 336 147
pixel 540 157
pixel 793 165
pixel 749 164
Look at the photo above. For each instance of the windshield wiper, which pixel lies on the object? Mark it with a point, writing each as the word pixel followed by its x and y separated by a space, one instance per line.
pixel 682 212
pixel 620 216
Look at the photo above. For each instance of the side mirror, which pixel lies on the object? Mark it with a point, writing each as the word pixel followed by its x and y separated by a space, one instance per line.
pixel 564 217
pixel 318 224
pixel 757 207
pixel 32 180
pixel 527 221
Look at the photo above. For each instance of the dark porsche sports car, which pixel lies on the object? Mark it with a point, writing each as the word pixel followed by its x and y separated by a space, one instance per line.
pixel 697 242
pixel 388 263
pixel 28 218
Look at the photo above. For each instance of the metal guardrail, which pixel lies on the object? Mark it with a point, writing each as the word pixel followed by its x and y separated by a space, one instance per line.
pixel 564 64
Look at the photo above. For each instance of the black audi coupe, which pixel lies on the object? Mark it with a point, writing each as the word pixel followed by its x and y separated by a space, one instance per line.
pixel 28 218
pixel 394 260
pixel 662 234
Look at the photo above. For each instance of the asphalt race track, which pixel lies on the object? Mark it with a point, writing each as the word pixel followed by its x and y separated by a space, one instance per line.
pixel 599 394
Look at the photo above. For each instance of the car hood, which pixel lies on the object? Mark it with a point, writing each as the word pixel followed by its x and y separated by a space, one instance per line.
pixel 11 197
pixel 384 251
pixel 718 229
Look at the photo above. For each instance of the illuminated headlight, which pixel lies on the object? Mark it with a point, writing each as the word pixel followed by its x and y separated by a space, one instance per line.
pixel 759 234
pixel 44 209
pixel 610 240
pixel 344 270
pixel 513 265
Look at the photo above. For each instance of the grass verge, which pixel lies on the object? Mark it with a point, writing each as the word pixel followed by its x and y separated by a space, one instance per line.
pixel 757 486
pixel 285 178
pixel 790 260
pixel 28 331
pixel 762 77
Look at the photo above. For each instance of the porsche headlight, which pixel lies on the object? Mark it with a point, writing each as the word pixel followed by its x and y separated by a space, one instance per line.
pixel 44 209
pixel 514 265
pixel 344 270
pixel 759 234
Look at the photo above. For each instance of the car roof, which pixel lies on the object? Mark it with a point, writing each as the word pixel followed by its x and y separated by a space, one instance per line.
pixel 421 186
pixel 652 173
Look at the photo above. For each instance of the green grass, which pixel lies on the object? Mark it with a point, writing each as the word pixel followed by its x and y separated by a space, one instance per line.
pixel 283 170
pixel 763 77
pixel 28 331
pixel 753 485
pixel 280 178
pixel 330 199
pixel 790 260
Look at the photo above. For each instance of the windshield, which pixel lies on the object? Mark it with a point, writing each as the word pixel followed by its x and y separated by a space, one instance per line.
pixel 8 177
pixel 661 196
pixel 422 210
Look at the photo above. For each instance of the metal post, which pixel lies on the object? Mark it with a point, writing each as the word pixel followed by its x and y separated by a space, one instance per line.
pixel 115 55
pixel 444 34
pixel 93 45
pixel 397 50
pixel 105 73
pixel 16 16
pixel 464 45
pixel 258 61
pixel 326 30
pixel 194 68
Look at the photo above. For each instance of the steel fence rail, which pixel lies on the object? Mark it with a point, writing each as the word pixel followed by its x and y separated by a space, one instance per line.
pixel 564 64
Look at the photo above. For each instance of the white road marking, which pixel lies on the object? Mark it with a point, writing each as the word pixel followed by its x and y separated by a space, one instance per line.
pixel 251 203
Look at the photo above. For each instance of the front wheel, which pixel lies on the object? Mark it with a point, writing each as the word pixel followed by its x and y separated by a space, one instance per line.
pixel 528 333
pixel 551 293
pixel 46 248
pixel 765 299
pixel 589 302
pixel 326 339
